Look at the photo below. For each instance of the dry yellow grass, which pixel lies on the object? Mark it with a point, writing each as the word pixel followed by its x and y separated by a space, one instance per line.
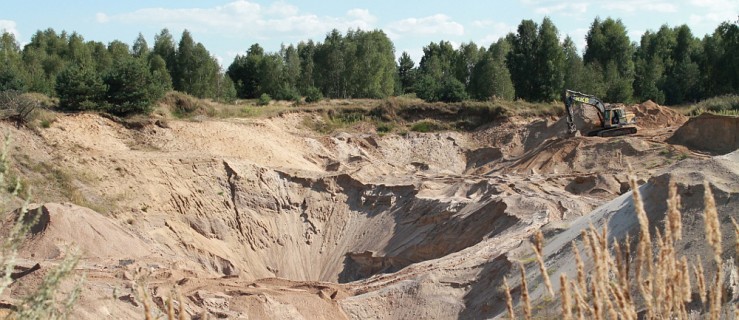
pixel 662 278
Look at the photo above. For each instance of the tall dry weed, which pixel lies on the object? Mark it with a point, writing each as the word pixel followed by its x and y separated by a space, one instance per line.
pixel 663 288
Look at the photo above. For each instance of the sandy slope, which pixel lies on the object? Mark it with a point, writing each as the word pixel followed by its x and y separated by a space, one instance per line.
pixel 263 219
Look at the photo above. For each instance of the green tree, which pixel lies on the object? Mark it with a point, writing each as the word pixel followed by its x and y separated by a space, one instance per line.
pixel 573 67
pixel 464 61
pixel 12 73
pixel 164 46
pixel 406 73
pixel 452 90
pixel 140 47
pixel 306 51
pixel 118 50
pixel 196 72
pixel 549 64
pixel 244 72
pixel 520 59
pixel 79 87
pixel 609 47
pixel 130 87
pixel 330 66
pixel 226 89
pixel 371 65
pixel 102 59
pixel 159 74
pixel 427 88
pixel 490 77
pixel 291 70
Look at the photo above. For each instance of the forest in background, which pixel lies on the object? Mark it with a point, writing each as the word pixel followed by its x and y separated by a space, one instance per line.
pixel 669 66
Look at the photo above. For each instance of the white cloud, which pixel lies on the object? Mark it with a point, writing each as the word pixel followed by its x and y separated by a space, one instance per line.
pixel 101 17
pixel 10 27
pixel 641 6
pixel 496 29
pixel 578 37
pixel 431 25
pixel 565 8
pixel 242 17
pixel 283 9
pixel 714 11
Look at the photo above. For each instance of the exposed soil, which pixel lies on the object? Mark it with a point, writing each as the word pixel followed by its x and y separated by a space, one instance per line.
pixel 266 219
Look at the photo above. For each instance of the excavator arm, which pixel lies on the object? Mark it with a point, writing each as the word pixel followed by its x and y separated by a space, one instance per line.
pixel 571 97
pixel 614 121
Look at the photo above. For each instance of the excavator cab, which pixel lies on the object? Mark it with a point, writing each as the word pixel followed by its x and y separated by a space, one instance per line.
pixel 614 121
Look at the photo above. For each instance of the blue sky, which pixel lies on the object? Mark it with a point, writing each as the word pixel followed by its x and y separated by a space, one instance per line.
pixel 229 27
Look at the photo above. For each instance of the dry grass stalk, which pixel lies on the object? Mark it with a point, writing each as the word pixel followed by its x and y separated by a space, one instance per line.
pixel 713 235
pixel 580 267
pixel 663 280
pixel 713 227
pixel 145 302
pixel 170 309
pixel 700 279
pixel 736 236
pixel 581 306
pixel 525 294
pixel 538 250
pixel 181 306
pixel 644 249
pixel 508 299
pixel 565 293
pixel 673 225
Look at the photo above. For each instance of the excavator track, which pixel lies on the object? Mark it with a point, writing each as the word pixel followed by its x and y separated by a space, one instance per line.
pixel 613 132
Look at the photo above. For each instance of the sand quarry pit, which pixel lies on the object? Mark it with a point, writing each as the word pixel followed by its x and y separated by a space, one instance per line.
pixel 264 219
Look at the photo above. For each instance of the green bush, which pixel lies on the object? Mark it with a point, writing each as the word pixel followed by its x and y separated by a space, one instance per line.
pixel 452 90
pixel 426 126
pixel 721 103
pixel 312 94
pixel 264 99
pixel 384 127
pixel 287 94
pixel 79 87
pixel 131 88
pixel 726 105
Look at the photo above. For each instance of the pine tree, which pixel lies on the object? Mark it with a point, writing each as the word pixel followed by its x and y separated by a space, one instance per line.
pixel 406 73
pixel 140 47
pixel 79 87
pixel 520 59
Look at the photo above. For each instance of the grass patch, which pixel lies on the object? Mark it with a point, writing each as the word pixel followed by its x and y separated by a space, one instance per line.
pixel 428 126
pixel 723 105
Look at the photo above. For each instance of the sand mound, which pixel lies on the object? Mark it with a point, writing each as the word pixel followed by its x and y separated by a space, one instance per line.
pixel 651 115
pixel 63 226
pixel 709 132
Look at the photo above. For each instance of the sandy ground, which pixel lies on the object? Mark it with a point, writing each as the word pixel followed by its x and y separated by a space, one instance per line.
pixel 263 219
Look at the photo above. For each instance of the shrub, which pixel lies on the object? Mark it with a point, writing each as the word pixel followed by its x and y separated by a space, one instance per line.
pixel 426 126
pixel 312 94
pixel 264 99
pixel 79 87
pixel 287 94
pixel 452 90
pixel 131 88
pixel 17 106
pixel 384 128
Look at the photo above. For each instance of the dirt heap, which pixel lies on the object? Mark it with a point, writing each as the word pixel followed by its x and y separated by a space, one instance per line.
pixel 262 219
pixel 650 115
pixel 709 132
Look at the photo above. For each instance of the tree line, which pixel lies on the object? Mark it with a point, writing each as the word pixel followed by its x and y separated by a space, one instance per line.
pixel 534 63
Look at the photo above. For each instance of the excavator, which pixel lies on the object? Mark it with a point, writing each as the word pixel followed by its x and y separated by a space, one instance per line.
pixel 614 121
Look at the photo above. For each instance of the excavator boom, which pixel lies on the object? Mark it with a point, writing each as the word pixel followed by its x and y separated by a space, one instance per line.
pixel 614 121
